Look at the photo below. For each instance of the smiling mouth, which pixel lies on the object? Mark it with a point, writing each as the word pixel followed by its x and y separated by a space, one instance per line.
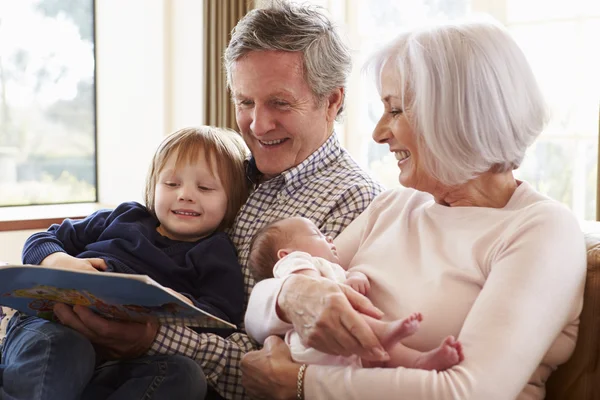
pixel 402 155
pixel 186 213
pixel 272 142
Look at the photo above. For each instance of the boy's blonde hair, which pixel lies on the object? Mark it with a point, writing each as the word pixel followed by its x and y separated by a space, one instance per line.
pixel 225 152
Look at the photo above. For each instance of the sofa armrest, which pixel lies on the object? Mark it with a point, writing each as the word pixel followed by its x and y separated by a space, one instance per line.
pixel 579 378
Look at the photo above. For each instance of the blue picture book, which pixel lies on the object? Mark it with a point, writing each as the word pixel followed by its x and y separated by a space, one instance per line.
pixel 34 290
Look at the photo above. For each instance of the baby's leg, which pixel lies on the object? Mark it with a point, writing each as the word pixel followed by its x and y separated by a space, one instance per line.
pixel 391 332
pixel 448 354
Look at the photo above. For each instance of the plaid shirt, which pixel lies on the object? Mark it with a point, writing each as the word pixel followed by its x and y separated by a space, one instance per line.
pixel 330 189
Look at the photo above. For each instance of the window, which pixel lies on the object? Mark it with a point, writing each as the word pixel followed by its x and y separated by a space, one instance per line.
pixel 47 102
pixel 560 40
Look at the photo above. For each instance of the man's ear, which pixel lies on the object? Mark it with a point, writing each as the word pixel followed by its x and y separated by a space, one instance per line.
pixel 282 253
pixel 334 103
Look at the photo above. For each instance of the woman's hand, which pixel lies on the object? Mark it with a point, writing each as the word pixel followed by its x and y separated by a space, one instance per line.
pixel 115 339
pixel 327 317
pixel 270 373
pixel 65 261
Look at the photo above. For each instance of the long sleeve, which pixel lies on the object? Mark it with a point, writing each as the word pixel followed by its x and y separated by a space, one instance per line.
pixel 69 237
pixel 514 329
pixel 220 358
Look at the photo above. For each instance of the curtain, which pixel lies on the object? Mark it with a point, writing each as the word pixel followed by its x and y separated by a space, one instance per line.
pixel 598 173
pixel 220 16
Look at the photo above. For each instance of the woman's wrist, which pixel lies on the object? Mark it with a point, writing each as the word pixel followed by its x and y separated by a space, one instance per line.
pixel 300 382
pixel 282 301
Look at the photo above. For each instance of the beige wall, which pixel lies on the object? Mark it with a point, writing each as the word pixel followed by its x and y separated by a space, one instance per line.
pixel 11 245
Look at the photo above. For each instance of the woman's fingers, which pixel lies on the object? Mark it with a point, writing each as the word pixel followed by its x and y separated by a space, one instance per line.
pixel 360 303
pixel 340 330
pixel 366 344
pixel 327 317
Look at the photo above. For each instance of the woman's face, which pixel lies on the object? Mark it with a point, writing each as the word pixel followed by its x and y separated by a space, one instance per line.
pixel 394 130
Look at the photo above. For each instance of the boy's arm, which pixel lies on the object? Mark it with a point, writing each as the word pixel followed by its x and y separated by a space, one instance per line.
pixel 70 237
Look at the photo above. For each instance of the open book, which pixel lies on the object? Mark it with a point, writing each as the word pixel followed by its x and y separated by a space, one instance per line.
pixel 34 290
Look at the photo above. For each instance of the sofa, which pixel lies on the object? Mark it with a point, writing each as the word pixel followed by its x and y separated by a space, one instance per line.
pixel 579 378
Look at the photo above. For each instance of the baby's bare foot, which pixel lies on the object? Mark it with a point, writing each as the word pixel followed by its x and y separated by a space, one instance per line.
pixel 400 329
pixel 447 355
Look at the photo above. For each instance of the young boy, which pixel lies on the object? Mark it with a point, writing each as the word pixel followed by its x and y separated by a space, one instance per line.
pixel 195 187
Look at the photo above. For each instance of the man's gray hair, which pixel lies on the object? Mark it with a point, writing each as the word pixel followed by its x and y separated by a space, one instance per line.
pixel 469 94
pixel 294 28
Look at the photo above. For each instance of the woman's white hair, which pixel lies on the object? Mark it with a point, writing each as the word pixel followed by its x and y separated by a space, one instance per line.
pixel 470 97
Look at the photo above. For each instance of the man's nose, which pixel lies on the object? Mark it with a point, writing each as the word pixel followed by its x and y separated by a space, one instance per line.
pixel 263 121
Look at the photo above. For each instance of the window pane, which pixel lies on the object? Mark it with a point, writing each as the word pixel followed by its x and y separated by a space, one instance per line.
pixel 47 102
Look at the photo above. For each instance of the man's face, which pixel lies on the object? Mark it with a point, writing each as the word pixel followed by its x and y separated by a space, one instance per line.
pixel 277 114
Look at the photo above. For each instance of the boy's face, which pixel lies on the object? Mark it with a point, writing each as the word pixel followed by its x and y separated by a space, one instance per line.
pixel 190 202
pixel 308 238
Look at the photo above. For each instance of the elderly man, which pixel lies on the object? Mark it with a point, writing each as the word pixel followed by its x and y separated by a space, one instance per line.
pixel 287 70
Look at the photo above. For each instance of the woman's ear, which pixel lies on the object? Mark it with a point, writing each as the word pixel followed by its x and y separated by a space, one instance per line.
pixel 282 253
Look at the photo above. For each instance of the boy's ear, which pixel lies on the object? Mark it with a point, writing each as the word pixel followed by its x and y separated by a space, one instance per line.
pixel 282 253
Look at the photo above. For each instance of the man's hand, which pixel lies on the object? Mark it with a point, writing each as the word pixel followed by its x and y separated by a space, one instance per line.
pixel 327 317
pixel 115 339
pixel 270 373
pixel 359 282
pixel 65 261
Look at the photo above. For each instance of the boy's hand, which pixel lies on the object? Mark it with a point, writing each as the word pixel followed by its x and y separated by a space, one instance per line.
pixel 359 282
pixel 65 261
pixel 179 296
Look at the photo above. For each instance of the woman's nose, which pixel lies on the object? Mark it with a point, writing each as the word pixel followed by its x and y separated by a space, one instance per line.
pixel 381 133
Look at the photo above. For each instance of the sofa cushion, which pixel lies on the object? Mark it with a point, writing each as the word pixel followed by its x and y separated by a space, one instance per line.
pixel 579 378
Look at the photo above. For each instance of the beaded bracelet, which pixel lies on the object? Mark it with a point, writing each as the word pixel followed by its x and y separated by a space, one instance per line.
pixel 300 383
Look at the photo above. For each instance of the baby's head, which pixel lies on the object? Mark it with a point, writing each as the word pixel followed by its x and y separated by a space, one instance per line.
pixel 280 238
pixel 197 182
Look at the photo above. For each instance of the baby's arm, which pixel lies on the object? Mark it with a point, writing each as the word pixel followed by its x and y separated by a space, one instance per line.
pixel 358 281
pixel 308 272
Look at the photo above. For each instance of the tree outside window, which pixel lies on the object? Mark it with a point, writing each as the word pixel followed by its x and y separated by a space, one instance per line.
pixel 47 102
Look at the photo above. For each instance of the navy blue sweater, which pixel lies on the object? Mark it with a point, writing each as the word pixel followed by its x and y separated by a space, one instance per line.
pixel 207 271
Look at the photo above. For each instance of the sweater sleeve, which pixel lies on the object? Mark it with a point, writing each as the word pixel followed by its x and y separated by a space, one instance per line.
pixel 71 236
pixel 533 290
pixel 294 262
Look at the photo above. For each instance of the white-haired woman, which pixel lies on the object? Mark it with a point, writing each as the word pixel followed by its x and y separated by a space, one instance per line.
pixel 481 255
